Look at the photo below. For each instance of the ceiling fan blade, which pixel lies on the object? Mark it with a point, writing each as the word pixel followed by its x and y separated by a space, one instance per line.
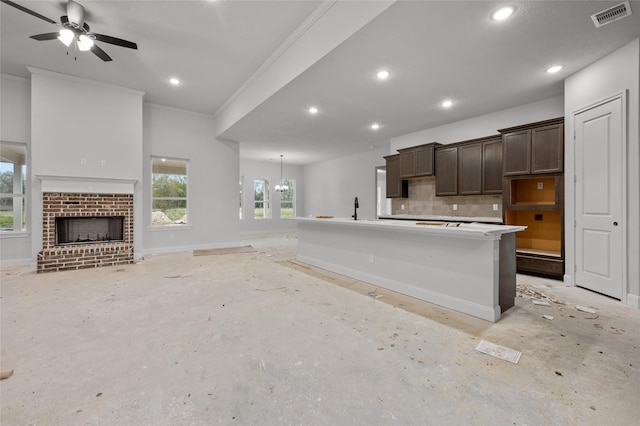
pixel 75 13
pixel 114 40
pixel 100 53
pixel 46 36
pixel 29 11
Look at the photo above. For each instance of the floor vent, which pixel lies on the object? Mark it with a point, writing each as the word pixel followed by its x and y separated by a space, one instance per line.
pixel 612 14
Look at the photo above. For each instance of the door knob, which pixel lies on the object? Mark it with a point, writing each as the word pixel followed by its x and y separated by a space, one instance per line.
pixel 615 223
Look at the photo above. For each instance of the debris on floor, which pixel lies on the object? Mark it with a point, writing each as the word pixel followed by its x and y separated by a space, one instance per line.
pixel 549 317
pixel 226 250
pixel 374 294
pixel 540 302
pixel 585 309
pixel 523 290
pixel 498 351
pixel 6 374
pixel 302 265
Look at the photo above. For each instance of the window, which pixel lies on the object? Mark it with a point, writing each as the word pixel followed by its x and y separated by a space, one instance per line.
pixel 241 185
pixel 13 175
pixel 169 192
pixel 261 199
pixel 287 199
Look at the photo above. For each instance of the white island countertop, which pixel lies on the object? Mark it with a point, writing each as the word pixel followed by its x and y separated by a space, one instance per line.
pixel 462 230
pixel 469 267
pixel 483 219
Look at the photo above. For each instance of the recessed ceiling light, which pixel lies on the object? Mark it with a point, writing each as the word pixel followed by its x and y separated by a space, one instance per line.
pixel 382 74
pixel 174 81
pixel 447 104
pixel 554 69
pixel 375 126
pixel 502 14
pixel 313 110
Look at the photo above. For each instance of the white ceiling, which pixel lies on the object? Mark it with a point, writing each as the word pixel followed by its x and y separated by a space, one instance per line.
pixel 434 50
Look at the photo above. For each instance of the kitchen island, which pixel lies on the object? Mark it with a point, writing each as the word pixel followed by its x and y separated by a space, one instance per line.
pixel 468 267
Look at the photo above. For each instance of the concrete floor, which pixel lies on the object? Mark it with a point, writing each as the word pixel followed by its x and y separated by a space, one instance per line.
pixel 254 338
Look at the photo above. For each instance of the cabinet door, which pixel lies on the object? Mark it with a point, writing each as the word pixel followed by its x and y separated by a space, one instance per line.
pixel 517 152
pixel 470 169
pixel 396 188
pixel 447 171
pixel 407 164
pixel 492 167
pixel 424 161
pixel 547 149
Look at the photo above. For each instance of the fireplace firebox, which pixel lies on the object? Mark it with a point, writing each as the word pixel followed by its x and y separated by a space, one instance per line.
pixel 85 230
pixel 89 230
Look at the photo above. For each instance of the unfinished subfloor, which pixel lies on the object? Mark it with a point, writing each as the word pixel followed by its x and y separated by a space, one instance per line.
pixel 254 338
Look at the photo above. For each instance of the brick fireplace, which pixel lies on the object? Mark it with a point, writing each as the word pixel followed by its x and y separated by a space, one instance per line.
pixel 98 243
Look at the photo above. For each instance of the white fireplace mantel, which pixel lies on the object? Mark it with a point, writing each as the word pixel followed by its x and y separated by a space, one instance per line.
pixel 78 185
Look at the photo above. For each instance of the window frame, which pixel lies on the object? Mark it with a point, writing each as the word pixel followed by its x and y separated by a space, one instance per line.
pixel 291 184
pixel 23 196
pixel 266 200
pixel 173 226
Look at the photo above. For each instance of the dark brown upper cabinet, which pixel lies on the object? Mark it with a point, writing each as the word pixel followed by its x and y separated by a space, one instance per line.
pixel 492 166
pixel 447 170
pixel 396 187
pixel 417 161
pixel 535 148
pixel 470 167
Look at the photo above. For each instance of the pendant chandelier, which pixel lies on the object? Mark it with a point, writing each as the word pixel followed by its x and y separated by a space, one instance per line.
pixel 282 186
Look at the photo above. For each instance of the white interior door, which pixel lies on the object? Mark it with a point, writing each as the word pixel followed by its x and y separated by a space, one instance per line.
pixel 599 198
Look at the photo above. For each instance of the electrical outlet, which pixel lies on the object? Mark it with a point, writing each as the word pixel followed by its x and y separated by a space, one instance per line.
pixel 370 258
pixel 103 163
pixel 540 185
pixel 537 216
pixel 83 161
pixel 495 207
pixel 401 206
pixel 455 207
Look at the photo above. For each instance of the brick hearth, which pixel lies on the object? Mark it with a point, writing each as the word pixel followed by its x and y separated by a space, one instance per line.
pixel 80 256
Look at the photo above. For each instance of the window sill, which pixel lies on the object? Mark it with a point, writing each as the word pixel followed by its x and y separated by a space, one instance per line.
pixel 169 228
pixel 15 234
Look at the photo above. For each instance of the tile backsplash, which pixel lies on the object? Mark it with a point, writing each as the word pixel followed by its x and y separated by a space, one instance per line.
pixel 422 201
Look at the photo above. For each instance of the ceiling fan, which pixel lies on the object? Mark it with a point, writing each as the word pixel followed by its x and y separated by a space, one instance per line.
pixel 73 29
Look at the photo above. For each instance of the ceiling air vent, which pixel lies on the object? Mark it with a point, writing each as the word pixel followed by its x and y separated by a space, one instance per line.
pixel 612 14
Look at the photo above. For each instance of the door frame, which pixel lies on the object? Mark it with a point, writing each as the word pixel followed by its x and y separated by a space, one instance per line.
pixel 570 200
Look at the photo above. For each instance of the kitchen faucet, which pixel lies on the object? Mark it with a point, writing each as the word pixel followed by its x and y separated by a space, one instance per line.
pixel 355 209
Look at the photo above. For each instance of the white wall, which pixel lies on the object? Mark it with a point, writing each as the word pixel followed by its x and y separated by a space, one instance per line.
pixel 483 125
pixel 616 72
pixel 331 186
pixel 83 129
pixel 15 126
pixel 212 185
pixel 269 170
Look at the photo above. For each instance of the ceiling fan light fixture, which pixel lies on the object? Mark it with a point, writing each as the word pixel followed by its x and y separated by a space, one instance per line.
pixel 84 43
pixel 66 36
